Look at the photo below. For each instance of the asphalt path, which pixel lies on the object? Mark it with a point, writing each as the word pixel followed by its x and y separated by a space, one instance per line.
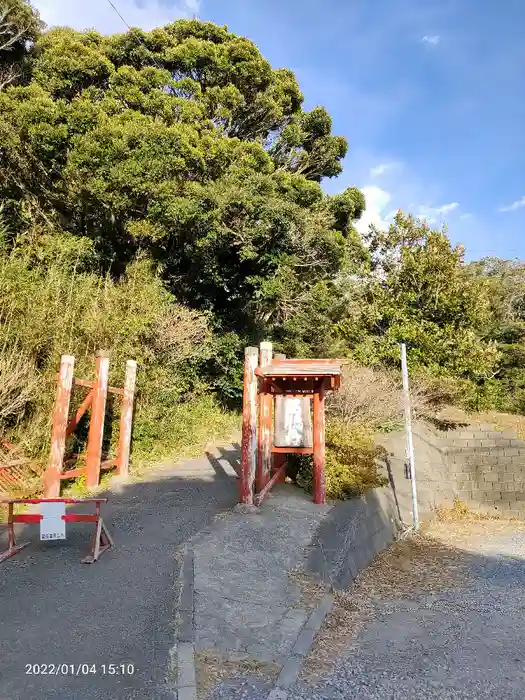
pixel 75 631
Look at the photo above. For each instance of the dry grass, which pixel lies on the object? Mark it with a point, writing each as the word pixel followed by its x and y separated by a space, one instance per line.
pixel 462 534
pixel 461 512
pixel 18 384
pixel 211 668
pixel 413 566
pixel 502 421
pixel 373 398
pixel 505 422
pixel 311 591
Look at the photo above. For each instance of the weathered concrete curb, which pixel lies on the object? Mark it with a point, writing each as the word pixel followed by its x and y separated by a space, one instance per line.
pixel 292 667
pixel 186 678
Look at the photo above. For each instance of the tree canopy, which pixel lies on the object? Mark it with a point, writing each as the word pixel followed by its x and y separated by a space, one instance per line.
pixel 184 147
pixel 186 143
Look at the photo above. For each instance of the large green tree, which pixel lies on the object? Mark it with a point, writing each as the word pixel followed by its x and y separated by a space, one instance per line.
pixel 183 142
pixel 419 291
pixel 506 282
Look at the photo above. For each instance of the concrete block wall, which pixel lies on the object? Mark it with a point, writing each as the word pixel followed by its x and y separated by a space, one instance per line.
pixel 483 467
pixel 487 468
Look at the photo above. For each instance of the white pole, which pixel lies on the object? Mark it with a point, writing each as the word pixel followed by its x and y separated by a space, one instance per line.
pixel 408 429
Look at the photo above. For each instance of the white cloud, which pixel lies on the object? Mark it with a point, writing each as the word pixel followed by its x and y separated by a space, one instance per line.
pixel 383 168
pixel 466 216
pixel 377 201
pixel 433 40
pixel 434 214
pixel 515 205
pixel 99 15
pixel 448 207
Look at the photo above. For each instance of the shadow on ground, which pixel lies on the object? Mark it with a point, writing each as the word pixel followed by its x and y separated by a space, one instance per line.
pixel 119 611
pixel 443 622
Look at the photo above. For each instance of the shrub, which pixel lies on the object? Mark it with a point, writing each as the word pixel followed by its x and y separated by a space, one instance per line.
pixel 351 462
pixel 18 385
pixel 54 301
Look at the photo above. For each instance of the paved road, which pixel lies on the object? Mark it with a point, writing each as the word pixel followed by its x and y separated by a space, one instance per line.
pixel 54 610
pixel 464 643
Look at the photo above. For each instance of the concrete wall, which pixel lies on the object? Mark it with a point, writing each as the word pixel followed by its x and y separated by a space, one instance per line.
pixel 482 466
pixel 352 534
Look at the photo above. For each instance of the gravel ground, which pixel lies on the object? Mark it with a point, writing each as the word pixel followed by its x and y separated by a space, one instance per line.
pixel 466 642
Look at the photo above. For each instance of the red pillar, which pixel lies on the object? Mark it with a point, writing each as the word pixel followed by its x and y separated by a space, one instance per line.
pixel 278 459
pixel 249 426
pixel 126 419
pixel 264 447
pixel 96 425
pixel 319 446
pixel 58 431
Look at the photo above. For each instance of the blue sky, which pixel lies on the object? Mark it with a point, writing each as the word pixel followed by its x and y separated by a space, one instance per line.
pixel 429 94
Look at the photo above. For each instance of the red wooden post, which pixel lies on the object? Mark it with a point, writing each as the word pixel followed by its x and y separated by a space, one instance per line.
pixel 126 419
pixel 96 425
pixel 249 426
pixel 278 460
pixel 319 445
pixel 264 447
pixel 58 431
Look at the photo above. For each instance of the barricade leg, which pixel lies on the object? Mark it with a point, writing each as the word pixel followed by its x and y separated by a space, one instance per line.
pixel 100 542
pixel 13 548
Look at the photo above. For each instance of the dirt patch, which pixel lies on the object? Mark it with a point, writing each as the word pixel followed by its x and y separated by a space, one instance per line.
pixel 311 591
pixel 211 668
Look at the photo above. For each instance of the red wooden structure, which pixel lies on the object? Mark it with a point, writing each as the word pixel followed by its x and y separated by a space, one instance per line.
pixel 100 542
pixel 95 400
pixel 265 380
pixel 13 470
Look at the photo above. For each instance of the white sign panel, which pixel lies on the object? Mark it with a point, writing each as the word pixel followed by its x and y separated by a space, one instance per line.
pixel 292 422
pixel 52 527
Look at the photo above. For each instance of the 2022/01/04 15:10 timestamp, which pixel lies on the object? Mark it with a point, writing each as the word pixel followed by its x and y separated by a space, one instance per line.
pixel 79 669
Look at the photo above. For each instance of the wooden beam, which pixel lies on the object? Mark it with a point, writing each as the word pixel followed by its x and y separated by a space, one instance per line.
pixel 126 419
pixel 249 426
pixel 98 414
pixel 264 454
pixel 319 446
pixel 59 428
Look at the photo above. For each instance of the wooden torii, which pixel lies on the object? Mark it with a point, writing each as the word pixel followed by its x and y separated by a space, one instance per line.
pixel 265 380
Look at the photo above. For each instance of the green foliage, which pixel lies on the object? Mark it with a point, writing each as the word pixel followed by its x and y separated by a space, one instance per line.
pixel 170 145
pixel 161 197
pixel 351 462
pixel 419 291
pixel 59 308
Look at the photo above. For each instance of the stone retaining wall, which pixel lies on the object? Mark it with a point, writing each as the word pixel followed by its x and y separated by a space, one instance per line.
pixel 478 464
pixel 352 534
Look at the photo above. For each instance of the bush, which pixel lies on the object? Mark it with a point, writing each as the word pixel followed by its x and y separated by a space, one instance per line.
pixel 54 301
pixel 18 386
pixel 373 398
pixel 351 462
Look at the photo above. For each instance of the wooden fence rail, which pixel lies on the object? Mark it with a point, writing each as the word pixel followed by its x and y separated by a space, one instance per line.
pixel 95 402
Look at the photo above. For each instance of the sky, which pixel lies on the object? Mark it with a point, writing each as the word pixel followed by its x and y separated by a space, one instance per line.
pixel 429 94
